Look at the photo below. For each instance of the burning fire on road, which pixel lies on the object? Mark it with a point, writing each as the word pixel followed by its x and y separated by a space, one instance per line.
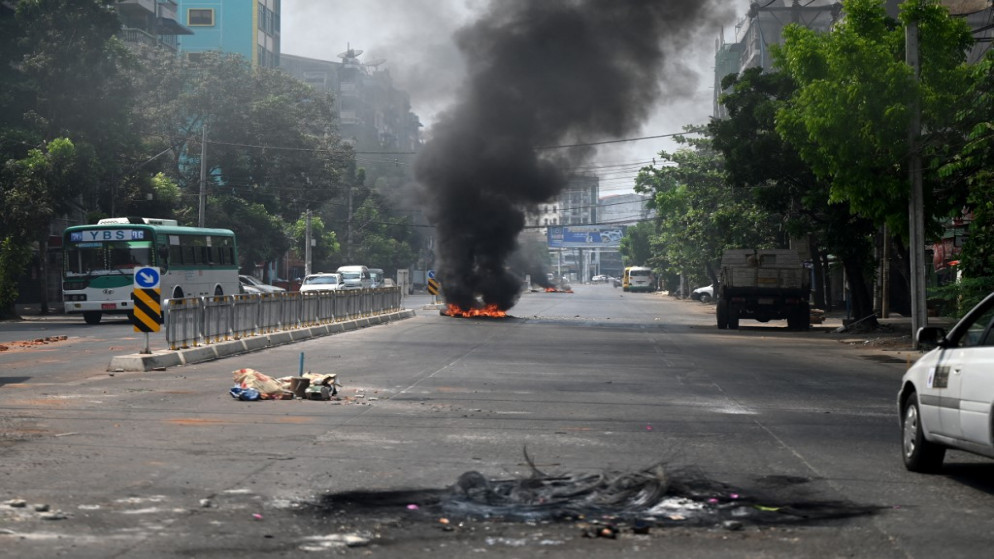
pixel 486 311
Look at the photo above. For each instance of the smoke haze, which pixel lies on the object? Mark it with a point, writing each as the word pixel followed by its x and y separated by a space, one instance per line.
pixel 542 74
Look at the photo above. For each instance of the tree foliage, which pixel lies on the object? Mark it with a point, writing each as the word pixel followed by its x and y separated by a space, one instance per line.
pixel 973 164
pixel 271 141
pixel 325 246
pixel 379 239
pixel 699 214
pixel 63 117
pixel 850 116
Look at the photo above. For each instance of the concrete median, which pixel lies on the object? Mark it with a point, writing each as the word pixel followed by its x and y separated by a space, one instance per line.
pixel 209 352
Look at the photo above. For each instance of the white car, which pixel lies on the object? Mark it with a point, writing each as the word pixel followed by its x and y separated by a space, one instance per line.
pixel 947 396
pixel 703 294
pixel 322 282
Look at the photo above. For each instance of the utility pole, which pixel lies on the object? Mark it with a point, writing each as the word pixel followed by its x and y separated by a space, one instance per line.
pixel 348 231
pixel 916 210
pixel 307 244
pixel 202 205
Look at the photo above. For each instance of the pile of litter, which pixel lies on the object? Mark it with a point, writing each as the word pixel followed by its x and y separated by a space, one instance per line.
pixel 253 385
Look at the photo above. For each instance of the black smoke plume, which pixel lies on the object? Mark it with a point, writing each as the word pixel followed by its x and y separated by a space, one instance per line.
pixel 540 74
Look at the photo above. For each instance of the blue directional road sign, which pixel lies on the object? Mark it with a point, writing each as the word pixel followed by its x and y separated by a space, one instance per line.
pixel 146 278
pixel 146 313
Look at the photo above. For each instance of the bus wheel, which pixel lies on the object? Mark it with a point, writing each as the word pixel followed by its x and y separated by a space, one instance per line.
pixel 92 317
pixel 218 291
pixel 178 293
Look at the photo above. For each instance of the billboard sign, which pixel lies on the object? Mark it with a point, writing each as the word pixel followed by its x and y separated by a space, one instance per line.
pixel 585 236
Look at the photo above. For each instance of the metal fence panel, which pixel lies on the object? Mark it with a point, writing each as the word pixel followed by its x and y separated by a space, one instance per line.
pixel 203 320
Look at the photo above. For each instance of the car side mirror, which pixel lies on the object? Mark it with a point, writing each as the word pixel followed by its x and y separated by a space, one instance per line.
pixel 933 336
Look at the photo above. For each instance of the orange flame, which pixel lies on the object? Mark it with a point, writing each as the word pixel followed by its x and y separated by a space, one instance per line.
pixel 490 310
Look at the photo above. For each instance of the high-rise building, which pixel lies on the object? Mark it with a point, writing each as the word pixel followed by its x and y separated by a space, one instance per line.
pixel 250 28
pixel 373 115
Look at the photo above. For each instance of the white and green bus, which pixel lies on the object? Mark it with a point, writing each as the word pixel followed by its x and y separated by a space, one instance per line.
pixel 99 261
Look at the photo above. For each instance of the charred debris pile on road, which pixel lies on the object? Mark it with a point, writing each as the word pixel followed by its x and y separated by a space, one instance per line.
pixel 606 504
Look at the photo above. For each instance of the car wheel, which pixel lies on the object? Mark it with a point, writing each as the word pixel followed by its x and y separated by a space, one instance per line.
pixel 705 298
pixel 92 317
pixel 919 454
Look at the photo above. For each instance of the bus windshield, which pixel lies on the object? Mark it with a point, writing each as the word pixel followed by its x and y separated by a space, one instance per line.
pixel 106 257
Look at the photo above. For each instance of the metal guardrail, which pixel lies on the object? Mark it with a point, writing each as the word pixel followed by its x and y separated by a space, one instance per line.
pixel 195 321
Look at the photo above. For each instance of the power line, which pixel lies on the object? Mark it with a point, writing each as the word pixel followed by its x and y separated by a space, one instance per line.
pixel 618 141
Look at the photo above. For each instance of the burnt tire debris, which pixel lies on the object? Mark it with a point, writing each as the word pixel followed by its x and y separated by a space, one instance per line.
pixel 602 504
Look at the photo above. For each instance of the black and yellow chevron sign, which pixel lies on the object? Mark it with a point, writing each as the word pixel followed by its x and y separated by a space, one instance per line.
pixel 147 313
pixel 433 286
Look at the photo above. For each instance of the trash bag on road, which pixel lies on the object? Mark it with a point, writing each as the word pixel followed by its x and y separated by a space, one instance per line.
pixel 249 394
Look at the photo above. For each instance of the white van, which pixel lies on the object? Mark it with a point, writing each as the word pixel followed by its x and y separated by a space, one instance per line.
pixel 355 277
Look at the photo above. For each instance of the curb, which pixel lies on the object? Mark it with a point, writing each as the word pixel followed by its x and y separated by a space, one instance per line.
pixel 140 362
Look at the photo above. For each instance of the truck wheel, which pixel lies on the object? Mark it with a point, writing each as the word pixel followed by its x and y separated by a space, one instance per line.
pixel 721 314
pixel 799 318
pixel 92 317
pixel 792 320
pixel 733 317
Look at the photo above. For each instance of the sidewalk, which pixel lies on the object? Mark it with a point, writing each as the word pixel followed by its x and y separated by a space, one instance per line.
pixel 32 311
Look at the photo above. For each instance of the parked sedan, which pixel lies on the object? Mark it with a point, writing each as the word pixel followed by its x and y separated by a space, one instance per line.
pixel 946 397
pixel 703 294
pixel 251 284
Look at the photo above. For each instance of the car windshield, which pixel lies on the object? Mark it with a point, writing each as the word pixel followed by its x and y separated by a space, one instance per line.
pixel 322 280
pixel 351 275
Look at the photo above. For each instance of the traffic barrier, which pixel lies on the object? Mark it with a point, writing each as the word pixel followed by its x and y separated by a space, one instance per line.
pixel 183 320
pixel 218 318
pixel 192 321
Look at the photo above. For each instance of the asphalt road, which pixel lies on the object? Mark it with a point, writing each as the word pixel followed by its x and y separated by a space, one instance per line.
pixel 770 443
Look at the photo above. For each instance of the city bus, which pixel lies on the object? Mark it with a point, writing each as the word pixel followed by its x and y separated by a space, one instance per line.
pixel 637 278
pixel 99 261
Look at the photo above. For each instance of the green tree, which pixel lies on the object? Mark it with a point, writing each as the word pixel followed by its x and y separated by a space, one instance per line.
pixel 850 115
pixel 698 213
pixel 636 246
pixel 378 239
pixel 35 189
pixel 270 141
pixel 325 247
pixel 64 107
pixel 261 235
pixel 973 165
pixel 270 138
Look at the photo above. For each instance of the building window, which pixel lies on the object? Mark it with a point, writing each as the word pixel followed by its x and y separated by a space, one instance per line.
pixel 200 16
